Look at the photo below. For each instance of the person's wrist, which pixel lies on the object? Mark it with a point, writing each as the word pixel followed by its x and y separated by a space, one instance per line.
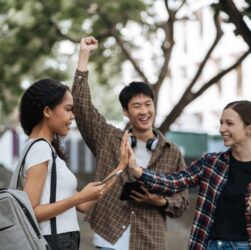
pixel 164 204
pixel 121 166
pixel 136 171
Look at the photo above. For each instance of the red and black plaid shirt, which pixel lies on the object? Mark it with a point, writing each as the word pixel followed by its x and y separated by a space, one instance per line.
pixel 210 173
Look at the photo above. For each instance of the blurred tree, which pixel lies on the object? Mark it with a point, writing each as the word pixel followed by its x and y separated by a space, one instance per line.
pixel 32 32
pixel 235 16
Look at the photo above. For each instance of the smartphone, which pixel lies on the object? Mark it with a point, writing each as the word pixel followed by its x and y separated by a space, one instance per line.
pixel 116 174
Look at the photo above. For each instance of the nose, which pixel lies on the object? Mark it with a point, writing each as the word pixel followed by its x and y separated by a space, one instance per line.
pixel 72 116
pixel 222 128
pixel 143 109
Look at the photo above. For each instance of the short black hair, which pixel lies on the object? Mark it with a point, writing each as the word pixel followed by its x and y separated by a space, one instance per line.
pixel 134 89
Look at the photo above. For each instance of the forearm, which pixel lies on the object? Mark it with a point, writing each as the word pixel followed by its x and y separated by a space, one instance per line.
pixel 84 207
pixel 83 61
pixel 47 211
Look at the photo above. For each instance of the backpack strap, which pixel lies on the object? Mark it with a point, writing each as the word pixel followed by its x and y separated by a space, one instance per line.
pixel 15 180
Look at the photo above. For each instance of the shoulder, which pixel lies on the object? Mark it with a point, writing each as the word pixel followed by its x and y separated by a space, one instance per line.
pixel 39 152
pixel 40 147
pixel 166 142
pixel 214 158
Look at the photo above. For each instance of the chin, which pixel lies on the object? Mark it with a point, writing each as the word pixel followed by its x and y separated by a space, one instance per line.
pixel 63 134
pixel 227 144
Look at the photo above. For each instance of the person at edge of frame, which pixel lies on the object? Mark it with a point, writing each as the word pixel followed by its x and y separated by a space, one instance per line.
pixel 222 218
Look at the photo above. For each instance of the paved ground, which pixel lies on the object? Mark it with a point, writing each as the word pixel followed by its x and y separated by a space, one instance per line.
pixel 178 230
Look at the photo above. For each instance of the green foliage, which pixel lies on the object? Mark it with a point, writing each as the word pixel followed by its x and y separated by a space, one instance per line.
pixel 247 9
pixel 31 31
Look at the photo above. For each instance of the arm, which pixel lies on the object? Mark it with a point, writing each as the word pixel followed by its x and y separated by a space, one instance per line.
pixel 167 184
pixel 91 123
pixel 172 183
pixel 34 184
pixel 178 203
pixel 173 205
pixel 121 166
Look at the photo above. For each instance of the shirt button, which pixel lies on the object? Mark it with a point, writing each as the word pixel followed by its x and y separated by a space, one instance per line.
pixel 132 212
pixel 79 77
pixel 123 226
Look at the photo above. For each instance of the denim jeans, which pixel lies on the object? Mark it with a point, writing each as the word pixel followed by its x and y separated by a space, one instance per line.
pixel 65 241
pixel 227 245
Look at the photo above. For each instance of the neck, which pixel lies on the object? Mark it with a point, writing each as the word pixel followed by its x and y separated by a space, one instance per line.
pixel 143 135
pixel 41 131
pixel 242 152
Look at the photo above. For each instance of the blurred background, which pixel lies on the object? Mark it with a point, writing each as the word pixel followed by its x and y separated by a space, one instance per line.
pixel 194 53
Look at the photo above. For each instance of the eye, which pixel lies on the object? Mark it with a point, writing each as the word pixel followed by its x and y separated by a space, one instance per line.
pixel 69 108
pixel 136 106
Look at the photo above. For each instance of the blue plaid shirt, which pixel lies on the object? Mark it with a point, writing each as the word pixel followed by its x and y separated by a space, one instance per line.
pixel 210 173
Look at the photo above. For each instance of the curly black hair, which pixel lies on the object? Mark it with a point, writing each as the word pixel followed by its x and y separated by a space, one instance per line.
pixel 45 92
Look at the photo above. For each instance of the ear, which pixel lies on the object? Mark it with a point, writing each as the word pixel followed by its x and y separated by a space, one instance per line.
pixel 125 112
pixel 249 130
pixel 47 112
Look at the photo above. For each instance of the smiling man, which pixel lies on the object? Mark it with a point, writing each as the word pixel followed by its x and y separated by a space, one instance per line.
pixel 139 222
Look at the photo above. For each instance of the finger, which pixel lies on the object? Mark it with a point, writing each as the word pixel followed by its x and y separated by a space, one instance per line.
pixel 144 189
pixel 125 138
pixel 90 40
pixel 137 194
pixel 136 199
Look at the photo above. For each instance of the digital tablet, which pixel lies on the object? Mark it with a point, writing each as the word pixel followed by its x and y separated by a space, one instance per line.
pixel 128 188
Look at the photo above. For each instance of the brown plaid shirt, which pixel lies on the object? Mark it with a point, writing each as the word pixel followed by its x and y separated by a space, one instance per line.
pixel 111 216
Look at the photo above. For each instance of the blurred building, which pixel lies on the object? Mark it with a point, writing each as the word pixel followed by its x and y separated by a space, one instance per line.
pixel 82 161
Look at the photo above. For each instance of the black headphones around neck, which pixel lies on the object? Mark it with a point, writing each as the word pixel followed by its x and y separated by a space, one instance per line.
pixel 151 143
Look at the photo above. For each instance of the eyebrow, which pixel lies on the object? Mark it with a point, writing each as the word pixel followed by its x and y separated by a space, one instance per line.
pixel 227 120
pixel 68 105
pixel 139 103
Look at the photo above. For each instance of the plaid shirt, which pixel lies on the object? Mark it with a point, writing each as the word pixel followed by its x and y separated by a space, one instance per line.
pixel 210 173
pixel 111 216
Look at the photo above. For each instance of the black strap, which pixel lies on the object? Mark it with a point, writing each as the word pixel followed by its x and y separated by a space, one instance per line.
pixel 52 200
pixel 53 188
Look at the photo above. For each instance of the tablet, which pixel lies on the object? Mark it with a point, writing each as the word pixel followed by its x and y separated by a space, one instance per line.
pixel 127 189
pixel 116 174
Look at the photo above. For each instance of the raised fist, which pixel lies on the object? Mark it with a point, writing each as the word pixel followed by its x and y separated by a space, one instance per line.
pixel 88 44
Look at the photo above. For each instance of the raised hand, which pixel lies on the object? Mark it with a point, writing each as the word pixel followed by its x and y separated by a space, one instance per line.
pixel 131 160
pixel 124 151
pixel 88 44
